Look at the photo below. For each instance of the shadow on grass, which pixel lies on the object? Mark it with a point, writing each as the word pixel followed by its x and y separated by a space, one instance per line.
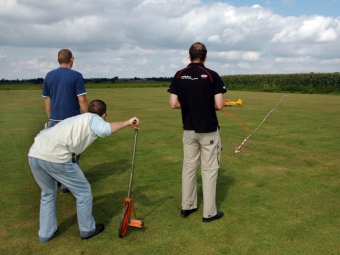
pixel 105 207
pixel 102 171
pixel 108 206
pixel 111 204
pixel 65 225
pixel 224 182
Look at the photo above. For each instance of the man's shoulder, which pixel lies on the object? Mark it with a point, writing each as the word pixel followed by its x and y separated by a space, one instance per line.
pixel 80 117
pixel 87 115
pixel 64 71
pixel 68 71
pixel 209 70
pixel 182 70
pixel 52 72
pixel 197 66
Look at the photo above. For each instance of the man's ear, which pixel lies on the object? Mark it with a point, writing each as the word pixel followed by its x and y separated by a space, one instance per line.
pixel 71 62
pixel 103 116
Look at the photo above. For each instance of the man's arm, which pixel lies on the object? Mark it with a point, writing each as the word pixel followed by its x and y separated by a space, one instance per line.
pixel 174 103
pixel 84 105
pixel 219 102
pixel 116 126
pixel 48 106
pixel 101 128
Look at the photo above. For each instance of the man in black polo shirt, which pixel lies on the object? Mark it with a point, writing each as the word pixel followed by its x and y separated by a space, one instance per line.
pixel 197 91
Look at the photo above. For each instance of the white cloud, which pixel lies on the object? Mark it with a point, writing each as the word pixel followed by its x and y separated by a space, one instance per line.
pixel 151 38
pixel 311 29
pixel 292 60
pixel 142 61
pixel 214 38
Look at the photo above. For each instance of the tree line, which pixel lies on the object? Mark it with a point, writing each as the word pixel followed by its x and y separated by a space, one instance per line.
pixel 86 80
pixel 309 83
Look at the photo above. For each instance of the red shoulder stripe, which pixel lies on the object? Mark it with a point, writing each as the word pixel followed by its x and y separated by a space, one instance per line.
pixel 182 71
pixel 207 73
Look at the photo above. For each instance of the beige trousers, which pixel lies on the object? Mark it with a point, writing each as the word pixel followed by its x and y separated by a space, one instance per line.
pixel 204 148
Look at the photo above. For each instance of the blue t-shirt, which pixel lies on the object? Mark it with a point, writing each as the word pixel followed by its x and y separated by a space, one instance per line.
pixel 63 86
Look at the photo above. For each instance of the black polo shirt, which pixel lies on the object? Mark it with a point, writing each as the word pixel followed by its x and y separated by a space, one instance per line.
pixel 196 87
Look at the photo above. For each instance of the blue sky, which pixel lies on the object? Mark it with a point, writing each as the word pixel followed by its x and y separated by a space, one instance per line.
pixel 295 7
pixel 151 38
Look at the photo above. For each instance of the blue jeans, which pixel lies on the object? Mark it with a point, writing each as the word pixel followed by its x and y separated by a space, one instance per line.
pixel 50 124
pixel 47 175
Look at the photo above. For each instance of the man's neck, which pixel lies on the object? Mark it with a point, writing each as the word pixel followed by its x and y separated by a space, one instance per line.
pixel 66 65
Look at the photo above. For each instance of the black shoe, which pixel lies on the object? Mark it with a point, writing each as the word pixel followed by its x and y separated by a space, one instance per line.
pixel 218 215
pixel 99 228
pixel 65 190
pixel 186 213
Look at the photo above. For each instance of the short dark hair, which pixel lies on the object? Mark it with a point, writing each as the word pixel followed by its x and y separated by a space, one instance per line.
pixel 97 106
pixel 198 51
pixel 64 56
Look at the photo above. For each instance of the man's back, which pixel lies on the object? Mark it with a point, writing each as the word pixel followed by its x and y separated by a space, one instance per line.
pixel 196 87
pixel 63 86
pixel 56 144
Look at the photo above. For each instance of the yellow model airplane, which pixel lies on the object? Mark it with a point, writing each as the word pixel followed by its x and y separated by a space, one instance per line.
pixel 231 103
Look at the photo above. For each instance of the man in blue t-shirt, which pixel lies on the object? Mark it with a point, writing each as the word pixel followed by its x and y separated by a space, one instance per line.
pixel 64 92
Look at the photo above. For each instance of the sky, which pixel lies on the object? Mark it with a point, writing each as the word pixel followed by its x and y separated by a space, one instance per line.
pixel 151 38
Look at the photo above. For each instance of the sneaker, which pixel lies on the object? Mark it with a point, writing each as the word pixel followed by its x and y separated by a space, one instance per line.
pixel 99 228
pixel 186 213
pixel 65 190
pixel 218 215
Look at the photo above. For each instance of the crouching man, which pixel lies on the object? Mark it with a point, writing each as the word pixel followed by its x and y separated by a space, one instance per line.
pixel 52 159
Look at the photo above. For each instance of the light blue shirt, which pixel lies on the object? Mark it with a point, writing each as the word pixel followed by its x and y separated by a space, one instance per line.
pixel 99 127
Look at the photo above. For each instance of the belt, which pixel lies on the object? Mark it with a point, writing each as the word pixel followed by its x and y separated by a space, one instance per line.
pixel 74 158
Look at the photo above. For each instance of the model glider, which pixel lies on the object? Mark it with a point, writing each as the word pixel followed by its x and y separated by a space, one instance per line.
pixel 231 103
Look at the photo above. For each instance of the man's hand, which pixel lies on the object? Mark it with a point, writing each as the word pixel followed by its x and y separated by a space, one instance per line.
pixel 134 122
pixel 116 126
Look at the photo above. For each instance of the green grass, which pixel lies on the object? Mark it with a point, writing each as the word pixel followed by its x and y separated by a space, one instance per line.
pixel 280 195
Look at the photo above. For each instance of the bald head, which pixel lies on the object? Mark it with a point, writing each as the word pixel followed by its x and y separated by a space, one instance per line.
pixel 198 51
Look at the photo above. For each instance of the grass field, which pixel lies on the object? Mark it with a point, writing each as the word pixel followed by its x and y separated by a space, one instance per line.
pixel 280 195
